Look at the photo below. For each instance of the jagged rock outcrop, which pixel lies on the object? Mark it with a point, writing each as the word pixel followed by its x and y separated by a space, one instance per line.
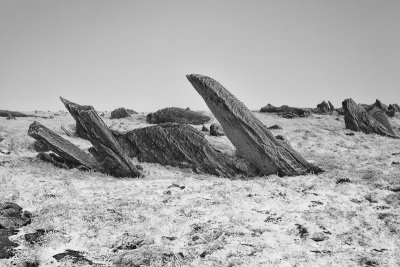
pixel 178 115
pixel 286 111
pixel 120 113
pixel 380 105
pixel 69 154
pixel 216 130
pixel 205 129
pixel 251 138
pixel 178 145
pixel 323 107
pixel 106 149
pixel 357 119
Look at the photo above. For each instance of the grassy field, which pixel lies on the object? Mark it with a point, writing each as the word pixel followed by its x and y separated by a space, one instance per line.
pixel 347 216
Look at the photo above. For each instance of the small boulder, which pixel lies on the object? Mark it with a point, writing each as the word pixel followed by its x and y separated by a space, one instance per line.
pixel 119 113
pixel 275 127
pixel 74 256
pixel 216 130
pixel 12 216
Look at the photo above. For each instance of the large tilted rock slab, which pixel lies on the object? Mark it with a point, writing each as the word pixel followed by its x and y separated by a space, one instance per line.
pixel 63 148
pixel 177 145
pixel 380 115
pixel 358 119
pixel 178 115
pixel 106 149
pixel 251 138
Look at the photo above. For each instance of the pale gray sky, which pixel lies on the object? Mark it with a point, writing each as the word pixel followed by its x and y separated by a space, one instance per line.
pixel 136 53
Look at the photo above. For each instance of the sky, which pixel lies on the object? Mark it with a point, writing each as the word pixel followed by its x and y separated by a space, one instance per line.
pixel 135 54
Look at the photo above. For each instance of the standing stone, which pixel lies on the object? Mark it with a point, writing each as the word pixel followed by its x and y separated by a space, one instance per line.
pixel 106 149
pixel 251 138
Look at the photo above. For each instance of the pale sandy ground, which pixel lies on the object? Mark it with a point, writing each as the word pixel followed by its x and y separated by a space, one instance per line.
pixel 216 221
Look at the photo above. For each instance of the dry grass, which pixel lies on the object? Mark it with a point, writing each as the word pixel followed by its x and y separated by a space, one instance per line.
pixel 265 221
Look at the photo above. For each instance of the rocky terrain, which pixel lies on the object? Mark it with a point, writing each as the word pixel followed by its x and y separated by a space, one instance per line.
pixel 346 216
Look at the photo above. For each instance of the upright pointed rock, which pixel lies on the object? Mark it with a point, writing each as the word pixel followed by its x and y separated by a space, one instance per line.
pixel 251 138
pixel 107 150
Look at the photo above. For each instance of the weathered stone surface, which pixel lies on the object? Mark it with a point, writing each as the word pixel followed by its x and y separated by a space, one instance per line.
pixel 62 147
pixel 6 245
pixel 286 111
pixel 251 138
pixel 380 105
pixel 177 145
pixel 323 107
pixel 178 115
pixel 12 217
pixel 120 113
pixel 80 132
pixel 357 119
pixel 107 150
pixel 205 129
pixel 216 130
pixel 380 115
